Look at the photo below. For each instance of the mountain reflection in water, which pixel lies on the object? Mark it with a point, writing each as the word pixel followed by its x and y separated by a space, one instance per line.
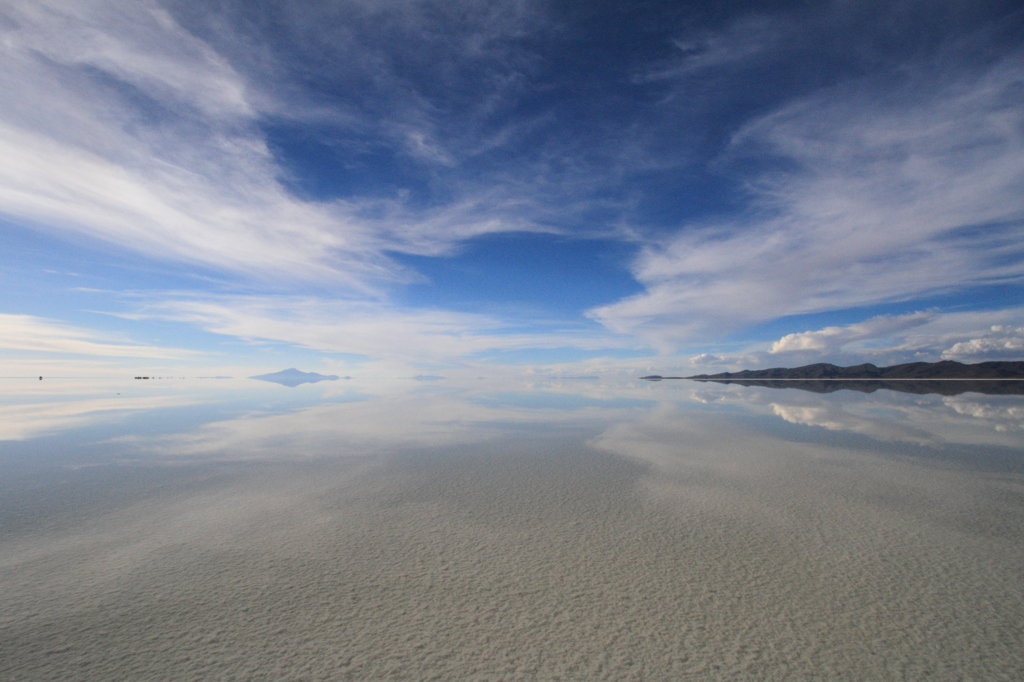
pixel 918 386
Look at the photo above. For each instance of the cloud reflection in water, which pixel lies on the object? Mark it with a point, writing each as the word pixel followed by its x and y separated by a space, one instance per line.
pixel 569 526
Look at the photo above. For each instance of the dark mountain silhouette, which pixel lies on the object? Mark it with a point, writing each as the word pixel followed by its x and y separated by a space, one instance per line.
pixel 945 378
pixel 293 377
pixel 947 369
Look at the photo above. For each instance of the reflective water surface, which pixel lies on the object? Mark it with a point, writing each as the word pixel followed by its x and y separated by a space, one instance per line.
pixel 236 529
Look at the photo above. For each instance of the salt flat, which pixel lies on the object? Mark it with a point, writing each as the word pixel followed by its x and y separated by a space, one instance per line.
pixel 615 532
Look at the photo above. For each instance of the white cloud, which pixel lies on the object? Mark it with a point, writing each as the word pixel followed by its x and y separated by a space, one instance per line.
pixel 884 197
pixel 26 421
pixel 928 336
pixel 1001 343
pixel 29 333
pixel 119 124
pixel 832 339
pixel 1000 415
pixel 369 328
pixel 369 428
pixel 353 429
pixel 708 359
pixel 835 418
pixel 746 39
pixel 890 339
pixel 124 125
pixel 884 415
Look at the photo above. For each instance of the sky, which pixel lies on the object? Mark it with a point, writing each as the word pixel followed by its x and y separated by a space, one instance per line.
pixel 395 187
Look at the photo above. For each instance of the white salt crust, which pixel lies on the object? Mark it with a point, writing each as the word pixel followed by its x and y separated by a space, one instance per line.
pixel 547 561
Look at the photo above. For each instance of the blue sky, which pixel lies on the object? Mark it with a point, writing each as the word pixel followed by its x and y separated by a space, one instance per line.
pixel 390 186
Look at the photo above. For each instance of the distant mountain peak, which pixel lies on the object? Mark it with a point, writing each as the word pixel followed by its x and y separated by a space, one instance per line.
pixel 293 377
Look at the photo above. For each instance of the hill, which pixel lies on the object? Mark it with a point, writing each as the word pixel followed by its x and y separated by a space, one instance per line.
pixel 947 369
pixel 293 377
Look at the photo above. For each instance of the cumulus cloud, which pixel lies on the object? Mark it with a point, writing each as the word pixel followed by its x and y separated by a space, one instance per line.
pixel 886 416
pixel 928 336
pixel 973 336
pixel 831 339
pixel 837 418
pixel 708 359
pixel 1001 343
pixel 872 194
pixel 1000 415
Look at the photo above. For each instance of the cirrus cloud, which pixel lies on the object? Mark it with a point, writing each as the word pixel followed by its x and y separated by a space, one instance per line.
pixel 121 125
pixel 30 333
pixel 870 194
pixel 367 327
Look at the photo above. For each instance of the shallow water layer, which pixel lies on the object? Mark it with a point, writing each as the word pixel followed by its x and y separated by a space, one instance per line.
pixel 560 530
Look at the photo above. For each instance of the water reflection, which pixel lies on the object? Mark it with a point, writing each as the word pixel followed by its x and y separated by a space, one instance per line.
pixel 32 420
pixel 292 377
pixel 920 387
pixel 968 418
pixel 399 421
pixel 575 530
pixel 232 422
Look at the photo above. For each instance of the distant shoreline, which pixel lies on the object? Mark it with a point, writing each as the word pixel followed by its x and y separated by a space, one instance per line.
pixel 947 370
pixel 849 379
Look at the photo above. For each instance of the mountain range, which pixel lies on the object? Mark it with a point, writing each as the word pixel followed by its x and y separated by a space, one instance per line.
pixel 947 369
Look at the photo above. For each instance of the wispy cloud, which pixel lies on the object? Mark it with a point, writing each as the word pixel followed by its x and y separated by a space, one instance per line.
pixel 121 125
pixel 22 422
pixel 881 194
pixel 300 146
pixel 368 328
pixel 748 38
pixel 368 428
pixel 29 333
